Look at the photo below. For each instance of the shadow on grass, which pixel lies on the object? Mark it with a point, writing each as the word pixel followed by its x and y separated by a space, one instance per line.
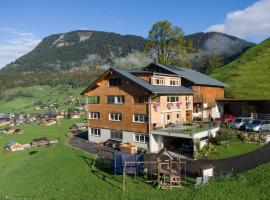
pixel 103 169
pixel 32 152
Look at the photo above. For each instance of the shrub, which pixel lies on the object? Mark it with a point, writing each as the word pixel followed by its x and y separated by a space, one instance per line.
pixel 225 135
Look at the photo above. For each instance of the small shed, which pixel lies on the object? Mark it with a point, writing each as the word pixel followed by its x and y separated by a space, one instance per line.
pixel 40 141
pixel 207 170
pixel 14 146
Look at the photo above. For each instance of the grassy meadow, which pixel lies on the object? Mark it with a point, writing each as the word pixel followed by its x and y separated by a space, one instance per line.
pixel 232 148
pixel 24 99
pixel 248 75
pixel 62 172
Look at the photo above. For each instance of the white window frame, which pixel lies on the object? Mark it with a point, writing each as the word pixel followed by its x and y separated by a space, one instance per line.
pixel 160 79
pixel 187 102
pixel 118 133
pixel 95 132
pixel 174 82
pixel 118 99
pixel 115 116
pixel 142 137
pixel 169 99
pixel 94 115
pixel 141 118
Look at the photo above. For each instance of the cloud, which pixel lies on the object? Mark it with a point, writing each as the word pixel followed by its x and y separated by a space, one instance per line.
pixel 251 23
pixel 14 44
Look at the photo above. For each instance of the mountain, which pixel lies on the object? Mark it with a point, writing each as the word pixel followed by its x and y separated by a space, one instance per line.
pixel 213 45
pixel 78 50
pixel 63 52
pixel 249 75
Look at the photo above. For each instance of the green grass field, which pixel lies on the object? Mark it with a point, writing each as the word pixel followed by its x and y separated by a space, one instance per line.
pixel 233 148
pixel 62 172
pixel 248 75
pixel 24 99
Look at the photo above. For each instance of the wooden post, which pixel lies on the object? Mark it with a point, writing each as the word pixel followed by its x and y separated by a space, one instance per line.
pixel 124 177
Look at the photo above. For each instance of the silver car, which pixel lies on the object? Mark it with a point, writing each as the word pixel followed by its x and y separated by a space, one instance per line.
pixel 258 125
pixel 239 123
pixel 264 126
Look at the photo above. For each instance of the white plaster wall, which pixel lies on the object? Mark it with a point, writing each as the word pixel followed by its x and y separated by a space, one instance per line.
pixel 105 134
pixel 215 112
pixel 156 143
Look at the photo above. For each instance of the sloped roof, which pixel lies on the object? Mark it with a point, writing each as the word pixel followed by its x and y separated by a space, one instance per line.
pixel 191 75
pixel 152 88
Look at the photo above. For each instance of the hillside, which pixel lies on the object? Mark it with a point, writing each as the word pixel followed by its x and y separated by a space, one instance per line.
pixel 63 52
pixel 249 75
pixel 81 50
pixel 215 45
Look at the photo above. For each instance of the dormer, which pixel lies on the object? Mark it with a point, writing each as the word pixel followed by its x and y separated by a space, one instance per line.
pixel 165 80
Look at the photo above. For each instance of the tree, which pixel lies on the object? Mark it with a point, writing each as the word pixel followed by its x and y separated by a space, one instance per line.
pixel 214 62
pixel 166 42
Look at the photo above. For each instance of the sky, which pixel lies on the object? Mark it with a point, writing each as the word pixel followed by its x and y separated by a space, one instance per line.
pixel 23 23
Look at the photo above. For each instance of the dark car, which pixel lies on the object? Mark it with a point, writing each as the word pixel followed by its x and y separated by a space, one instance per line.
pixel 239 123
pixel 253 125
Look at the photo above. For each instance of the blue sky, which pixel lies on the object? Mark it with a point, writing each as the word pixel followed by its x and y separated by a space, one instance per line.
pixel 23 23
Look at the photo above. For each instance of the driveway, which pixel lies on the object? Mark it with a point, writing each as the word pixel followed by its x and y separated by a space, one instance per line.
pixel 239 164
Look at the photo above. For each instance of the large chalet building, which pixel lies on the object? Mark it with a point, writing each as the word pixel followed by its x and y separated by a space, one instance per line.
pixel 128 105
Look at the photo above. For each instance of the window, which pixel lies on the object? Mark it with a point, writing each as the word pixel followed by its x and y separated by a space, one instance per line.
pixel 177 116
pixel 140 118
pixel 168 117
pixel 115 116
pixel 141 138
pixel 95 131
pixel 94 115
pixel 158 81
pixel 138 100
pixel 93 100
pixel 114 82
pixel 172 99
pixel 174 82
pixel 116 135
pixel 187 102
pixel 115 99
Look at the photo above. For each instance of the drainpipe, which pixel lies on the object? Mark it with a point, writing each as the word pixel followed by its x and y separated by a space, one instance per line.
pixel 149 120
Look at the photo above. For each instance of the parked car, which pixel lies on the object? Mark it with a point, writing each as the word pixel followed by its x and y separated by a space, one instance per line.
pixel 227 118
pixel 258 125
pixel 239 123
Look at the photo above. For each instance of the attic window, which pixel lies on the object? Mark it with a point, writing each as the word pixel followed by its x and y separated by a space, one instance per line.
pixel 114 82
pixel 158 81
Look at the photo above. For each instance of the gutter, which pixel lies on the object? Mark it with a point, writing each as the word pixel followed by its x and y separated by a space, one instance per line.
pixel 149 112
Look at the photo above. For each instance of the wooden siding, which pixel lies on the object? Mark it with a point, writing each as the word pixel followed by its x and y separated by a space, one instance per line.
pixel 127 109
pixel 207 94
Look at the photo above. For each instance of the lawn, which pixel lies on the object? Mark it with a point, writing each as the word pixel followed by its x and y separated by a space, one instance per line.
pixel 25 99
pixel 231 149
pixel 248 75
pixel 62 172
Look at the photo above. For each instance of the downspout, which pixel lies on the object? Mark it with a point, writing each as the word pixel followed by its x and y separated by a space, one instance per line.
pixel 149 120
pixel 149 111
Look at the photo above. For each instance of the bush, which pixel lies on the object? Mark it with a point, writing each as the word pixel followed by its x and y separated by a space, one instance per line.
pixel 224 135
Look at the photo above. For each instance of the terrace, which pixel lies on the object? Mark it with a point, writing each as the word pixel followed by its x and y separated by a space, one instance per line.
pixel 197 130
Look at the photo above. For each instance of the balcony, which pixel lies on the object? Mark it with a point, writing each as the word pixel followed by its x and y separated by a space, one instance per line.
pixel 197 98
pixel 184 131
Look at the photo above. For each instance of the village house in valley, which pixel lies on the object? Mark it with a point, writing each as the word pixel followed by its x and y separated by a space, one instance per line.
pixel 137 106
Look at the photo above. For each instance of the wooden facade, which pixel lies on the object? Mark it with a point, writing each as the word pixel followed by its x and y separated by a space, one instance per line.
pixel 207 94
pixel 127 109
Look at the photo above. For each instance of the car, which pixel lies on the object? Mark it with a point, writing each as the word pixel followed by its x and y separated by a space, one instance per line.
pixel 227 118
pixel 239 123
pixel 264 126
pixel 258 125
